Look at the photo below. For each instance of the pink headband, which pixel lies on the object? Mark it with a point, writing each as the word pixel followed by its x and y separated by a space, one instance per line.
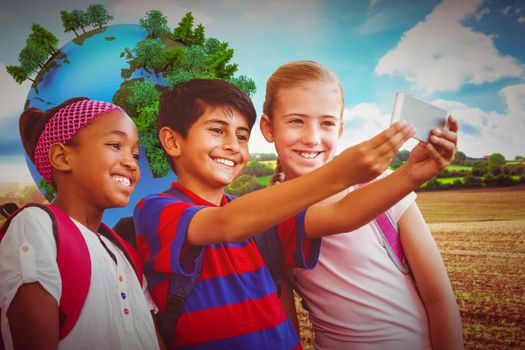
pixel 63 126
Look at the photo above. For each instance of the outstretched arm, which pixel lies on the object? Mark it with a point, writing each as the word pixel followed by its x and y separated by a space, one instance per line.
pixel 360 207
pixel 256 211
pixel 432 280
pixel 33 310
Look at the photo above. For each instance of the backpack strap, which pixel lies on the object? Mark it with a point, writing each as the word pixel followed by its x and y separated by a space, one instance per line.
pixel 74 264
pixel 179 288
pixel 129 251
pixel 389 233
pixel 73 260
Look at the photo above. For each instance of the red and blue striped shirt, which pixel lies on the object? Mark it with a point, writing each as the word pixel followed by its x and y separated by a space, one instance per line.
pixel 234 304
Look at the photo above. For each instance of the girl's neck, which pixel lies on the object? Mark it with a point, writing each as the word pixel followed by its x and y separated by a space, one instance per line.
pixel 85 214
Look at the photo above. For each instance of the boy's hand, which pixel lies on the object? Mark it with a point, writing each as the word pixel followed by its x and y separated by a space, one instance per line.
pixel 369 159
pixel 428 159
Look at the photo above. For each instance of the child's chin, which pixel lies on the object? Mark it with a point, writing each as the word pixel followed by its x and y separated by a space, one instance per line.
pixel 121 202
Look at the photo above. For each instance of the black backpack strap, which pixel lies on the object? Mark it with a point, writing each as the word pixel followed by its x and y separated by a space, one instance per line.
pixel 179 288
pixel 125 228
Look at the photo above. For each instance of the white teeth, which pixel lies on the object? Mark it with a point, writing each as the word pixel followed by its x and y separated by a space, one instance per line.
pixel 226 162
pixel 123 180
pixel 308 155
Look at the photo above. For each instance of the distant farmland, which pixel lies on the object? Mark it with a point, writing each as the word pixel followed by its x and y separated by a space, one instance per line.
pixel 481 236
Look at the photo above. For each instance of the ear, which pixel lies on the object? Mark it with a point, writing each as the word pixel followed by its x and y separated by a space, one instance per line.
pixel 60 157
pixel 341 127
pixel 170 141
pixel 266 128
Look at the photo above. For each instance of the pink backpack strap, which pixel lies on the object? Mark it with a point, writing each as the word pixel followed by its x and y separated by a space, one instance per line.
pixel 74 264
pixel 388 230
pixel 130 252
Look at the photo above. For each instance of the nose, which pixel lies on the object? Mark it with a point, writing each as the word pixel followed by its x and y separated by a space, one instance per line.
pixel 231 143
pixel 130 162
pixel 311 135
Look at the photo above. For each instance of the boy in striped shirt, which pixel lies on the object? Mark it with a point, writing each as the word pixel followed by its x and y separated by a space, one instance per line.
pixel 195 230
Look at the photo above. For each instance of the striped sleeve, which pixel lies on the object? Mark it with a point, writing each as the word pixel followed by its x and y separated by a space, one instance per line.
pixel 161 224
pixel 298 251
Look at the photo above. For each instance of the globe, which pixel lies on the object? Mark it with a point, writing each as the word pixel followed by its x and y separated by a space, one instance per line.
pixel 92 68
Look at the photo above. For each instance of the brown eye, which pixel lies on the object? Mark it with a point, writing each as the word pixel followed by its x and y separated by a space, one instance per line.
pixel 114 145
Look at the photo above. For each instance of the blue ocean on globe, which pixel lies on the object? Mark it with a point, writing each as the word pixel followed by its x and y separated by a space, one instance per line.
pixel 93 69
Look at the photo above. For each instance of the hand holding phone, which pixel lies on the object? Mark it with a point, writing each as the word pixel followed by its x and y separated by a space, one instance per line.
pixel 422 115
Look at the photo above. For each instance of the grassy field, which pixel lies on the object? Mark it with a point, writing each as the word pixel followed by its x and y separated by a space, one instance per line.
pixel 265 180
pixel 481 236
pixel 454 167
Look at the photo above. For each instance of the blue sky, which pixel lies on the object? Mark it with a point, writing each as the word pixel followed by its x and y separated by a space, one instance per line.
pixel 466 56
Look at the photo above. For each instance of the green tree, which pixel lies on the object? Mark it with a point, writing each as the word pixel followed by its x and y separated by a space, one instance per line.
pixel 194 59
pixel 67 23
pixel 472 181
pixel 218 62
pixel 79 20
pixel 32 57
pixel 155 23
pixel 178 76
pixel 198 35
pixel 459 158
pixel 433 184
pixel 149 54
pixel 143 93
pixel 158 163
pixel 517 170
pixel 18 73
pixel 173 57
pixel 212 45
pixel 98 15
pixel 245 84
pixel 496 159
pixel 457 183
pixel 43 38
pixel 184 30
pixel 480 168
pixel 242 185
pixel 519 158
pixel 258 169
pixel 147 117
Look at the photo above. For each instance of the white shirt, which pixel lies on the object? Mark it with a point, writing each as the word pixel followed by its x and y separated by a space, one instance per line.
pixel 358 298
pixel 109 319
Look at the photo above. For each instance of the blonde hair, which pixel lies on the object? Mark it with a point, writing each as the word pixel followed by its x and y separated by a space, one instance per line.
pixel 290 75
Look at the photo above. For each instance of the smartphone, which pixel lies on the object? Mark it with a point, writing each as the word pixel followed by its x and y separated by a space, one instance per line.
pixel 422 115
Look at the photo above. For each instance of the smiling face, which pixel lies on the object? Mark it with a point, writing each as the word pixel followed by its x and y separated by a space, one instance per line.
pixel 306 125
pixel 215 151
pixel 104 161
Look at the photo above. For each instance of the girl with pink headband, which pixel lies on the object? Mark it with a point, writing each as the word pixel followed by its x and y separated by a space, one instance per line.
pixel 88 151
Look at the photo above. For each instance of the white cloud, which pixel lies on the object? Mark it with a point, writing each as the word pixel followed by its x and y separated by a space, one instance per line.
pixel 479 15
pixel 521 20
pixel 481 132
pixel 13 94
pixel 441 54
pixel 364 121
